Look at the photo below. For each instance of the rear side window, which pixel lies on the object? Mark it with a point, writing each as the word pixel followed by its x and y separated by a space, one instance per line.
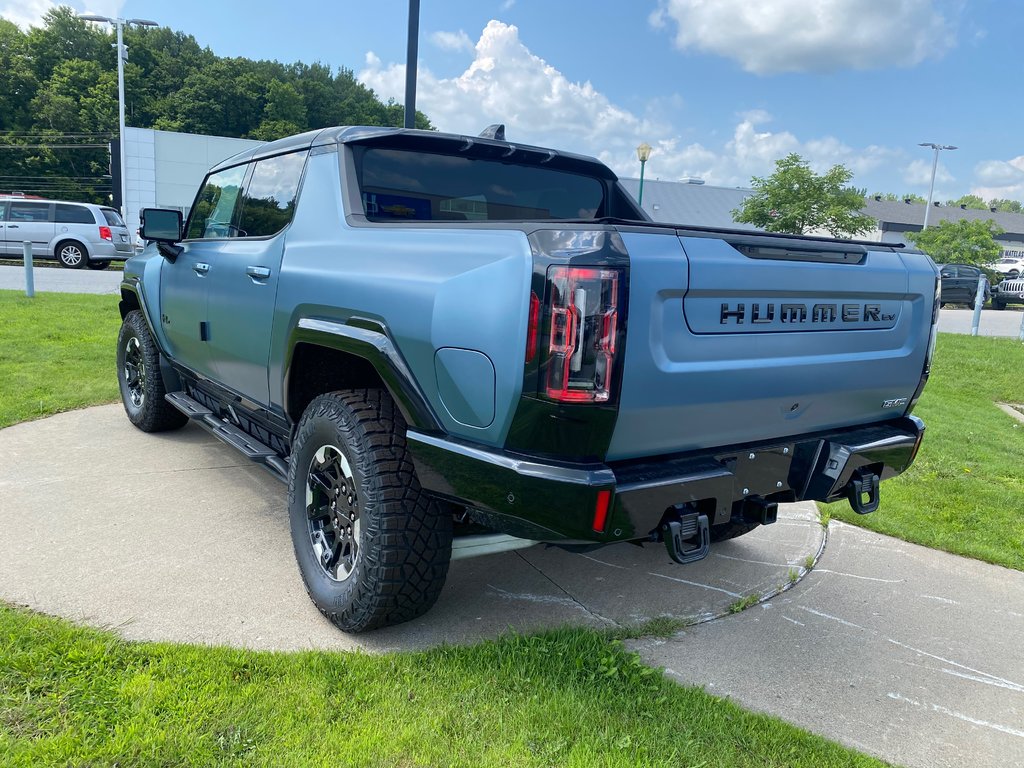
pixel 399 185
pixel 268 202
pixel 113 217
pixel 29 212
pixel 73 214
pixel 214 214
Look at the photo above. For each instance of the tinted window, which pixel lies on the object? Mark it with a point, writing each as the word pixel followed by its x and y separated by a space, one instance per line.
pixel 215 211
pixel 73 214
pixel 418 186
pixel 113 217
pixel 268 202
pixel 29 212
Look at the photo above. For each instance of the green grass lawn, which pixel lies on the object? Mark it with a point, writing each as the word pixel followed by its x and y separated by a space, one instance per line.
pixel 72 696
pixel 965 492
pixel 56 353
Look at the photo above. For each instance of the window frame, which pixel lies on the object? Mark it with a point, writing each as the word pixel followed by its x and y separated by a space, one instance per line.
pixel 34 204
pixel 250 167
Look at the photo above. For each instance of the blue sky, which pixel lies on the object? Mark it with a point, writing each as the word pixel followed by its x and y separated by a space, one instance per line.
pixel 720 89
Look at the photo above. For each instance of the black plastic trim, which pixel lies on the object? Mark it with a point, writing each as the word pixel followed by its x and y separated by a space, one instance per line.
pixel 369 340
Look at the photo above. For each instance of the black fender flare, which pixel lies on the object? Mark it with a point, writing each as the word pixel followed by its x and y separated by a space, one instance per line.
pixel 369 340
pixel 172 381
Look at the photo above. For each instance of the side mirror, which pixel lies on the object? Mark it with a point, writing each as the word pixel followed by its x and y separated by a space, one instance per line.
pixel 160 224
pixel 164 226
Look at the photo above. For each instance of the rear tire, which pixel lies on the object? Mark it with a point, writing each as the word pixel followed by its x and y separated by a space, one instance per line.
pixel 373 549
pixel 71 254
pixel 138 376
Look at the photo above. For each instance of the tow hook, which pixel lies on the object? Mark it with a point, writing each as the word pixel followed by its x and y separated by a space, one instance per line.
pixel 862 491
pixel 687 538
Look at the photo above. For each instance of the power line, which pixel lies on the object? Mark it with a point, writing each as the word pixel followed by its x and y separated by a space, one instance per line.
pixel 54 146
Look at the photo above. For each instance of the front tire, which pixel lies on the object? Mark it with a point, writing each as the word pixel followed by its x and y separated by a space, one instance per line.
pixel 72 255
pixel 373 549
pixel 138 376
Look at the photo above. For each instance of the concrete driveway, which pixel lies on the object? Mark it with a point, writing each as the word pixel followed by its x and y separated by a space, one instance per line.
pixel 52 279
pixel 177 537
pixel 1005 323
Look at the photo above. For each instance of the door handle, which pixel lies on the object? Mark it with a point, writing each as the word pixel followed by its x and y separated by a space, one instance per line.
pixel 200 268
pixel 12 226
pixel 257 273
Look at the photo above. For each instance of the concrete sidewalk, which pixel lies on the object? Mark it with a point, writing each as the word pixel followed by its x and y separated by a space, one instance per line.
pixel 177 537
pixel 910 654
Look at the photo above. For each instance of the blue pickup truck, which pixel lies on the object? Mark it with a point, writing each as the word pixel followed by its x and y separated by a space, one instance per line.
pixel 454 345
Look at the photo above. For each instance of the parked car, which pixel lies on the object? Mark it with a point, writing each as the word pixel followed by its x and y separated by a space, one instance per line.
pixel 76 234
pixel 1008 292
pixel 451 346
pixel 960 284
pixel 1010 266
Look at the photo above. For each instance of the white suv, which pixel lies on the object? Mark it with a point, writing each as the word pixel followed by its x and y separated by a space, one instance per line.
pixel 76 234
pixel 1010 266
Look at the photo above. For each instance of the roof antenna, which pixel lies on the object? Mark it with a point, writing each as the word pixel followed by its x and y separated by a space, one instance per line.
pixel 496 132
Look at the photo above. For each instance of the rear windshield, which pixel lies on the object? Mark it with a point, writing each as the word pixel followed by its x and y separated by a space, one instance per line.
pixel 113 217
pixel 401 185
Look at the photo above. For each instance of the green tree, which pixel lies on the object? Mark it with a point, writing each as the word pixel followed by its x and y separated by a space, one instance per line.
pixel 971 201
pixel 1006 206
pixel 960 242
pixel 797 200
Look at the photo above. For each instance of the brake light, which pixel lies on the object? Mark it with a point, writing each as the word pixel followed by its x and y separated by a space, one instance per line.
pixel 105 234
pixel 601 510
pixel 581 350
pixel 533 328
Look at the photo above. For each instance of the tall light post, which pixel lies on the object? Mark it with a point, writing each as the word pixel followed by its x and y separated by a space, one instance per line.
pixel 935 164
pixel 122 55
pixel 643 154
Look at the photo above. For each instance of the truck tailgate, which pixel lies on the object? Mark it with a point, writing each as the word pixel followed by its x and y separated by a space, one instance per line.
pixel 756 339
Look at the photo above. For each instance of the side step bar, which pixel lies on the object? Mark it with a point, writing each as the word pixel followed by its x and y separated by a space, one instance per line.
pixel 245 443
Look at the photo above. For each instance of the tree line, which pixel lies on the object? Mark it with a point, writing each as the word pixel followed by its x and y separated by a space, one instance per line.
pixel 58 99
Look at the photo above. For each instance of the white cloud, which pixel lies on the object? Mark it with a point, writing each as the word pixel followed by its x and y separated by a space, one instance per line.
pixel 796 35
pixel 29 13
pixel 1003 179
pixel 452 41
pixel 506 83
pixel 918 173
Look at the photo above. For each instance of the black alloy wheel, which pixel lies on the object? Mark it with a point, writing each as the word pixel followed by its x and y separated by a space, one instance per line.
pixel 332 508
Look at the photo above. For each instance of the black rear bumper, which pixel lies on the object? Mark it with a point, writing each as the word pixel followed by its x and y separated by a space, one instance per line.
pixel 546 501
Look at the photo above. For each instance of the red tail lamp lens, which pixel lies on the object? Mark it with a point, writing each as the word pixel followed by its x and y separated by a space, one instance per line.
pixel 533 328
pixel 601 510
pixel 105 234
pixel 580 354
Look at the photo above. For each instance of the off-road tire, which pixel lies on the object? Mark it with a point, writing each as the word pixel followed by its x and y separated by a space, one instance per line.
pixel 71 254
pixel 404 537
pixel 731 530
pixel 139 379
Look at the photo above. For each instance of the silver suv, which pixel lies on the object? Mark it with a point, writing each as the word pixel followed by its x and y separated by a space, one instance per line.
pixel 76 234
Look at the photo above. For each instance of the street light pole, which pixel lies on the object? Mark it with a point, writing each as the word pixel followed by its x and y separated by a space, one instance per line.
pixel 122 55
pixel 643 154
pixel 931 188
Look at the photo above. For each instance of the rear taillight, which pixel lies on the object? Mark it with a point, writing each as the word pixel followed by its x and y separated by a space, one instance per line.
pixel 579 359
pixel 930 352
pixel 533 328
pixel 105 234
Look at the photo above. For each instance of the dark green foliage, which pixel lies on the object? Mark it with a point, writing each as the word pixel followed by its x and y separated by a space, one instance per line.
pixel 960 242
pixel 58 87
